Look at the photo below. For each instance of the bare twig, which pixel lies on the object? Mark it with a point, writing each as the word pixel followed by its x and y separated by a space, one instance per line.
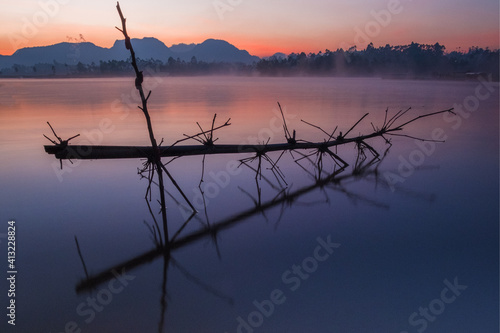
pixel 343 136
pixel 81 258
pixel 330 136
pixel 424 116
pixel 289 138
pixel 197 135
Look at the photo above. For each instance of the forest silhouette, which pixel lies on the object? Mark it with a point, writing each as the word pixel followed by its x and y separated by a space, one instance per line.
pixel 402 61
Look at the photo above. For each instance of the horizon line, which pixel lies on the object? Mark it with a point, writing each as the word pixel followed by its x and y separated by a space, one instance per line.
pixel 83 40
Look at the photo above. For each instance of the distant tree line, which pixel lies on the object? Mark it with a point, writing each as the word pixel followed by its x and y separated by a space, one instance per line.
pixel 405 61
pixel 176 67
pixel 123 68
pixel 414 61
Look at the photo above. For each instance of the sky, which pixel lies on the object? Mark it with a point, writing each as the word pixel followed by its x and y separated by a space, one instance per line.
pixel 262 27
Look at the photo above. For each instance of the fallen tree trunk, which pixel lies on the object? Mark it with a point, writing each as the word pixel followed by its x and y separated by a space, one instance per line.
pixel 117 152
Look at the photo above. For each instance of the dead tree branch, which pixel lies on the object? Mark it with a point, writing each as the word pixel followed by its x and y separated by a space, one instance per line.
pixel 154 155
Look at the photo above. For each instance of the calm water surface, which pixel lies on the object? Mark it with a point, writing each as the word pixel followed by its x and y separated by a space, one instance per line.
pixel 413 247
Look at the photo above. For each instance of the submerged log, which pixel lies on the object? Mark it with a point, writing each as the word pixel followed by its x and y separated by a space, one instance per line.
pixel 117 152
pixel 155 152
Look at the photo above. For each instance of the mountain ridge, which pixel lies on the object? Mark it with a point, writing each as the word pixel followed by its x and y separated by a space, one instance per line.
pixel 210 50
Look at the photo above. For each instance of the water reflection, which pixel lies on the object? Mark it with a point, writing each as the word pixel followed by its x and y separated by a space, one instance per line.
pixel 397 247
pixel 339 180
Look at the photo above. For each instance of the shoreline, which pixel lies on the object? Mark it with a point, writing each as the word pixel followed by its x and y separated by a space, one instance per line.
pixel 396 76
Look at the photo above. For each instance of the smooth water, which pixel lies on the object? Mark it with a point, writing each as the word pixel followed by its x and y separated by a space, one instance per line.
pixel 411 247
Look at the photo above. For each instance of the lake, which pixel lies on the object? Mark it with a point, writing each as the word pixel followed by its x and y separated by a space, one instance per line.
pixel 409 245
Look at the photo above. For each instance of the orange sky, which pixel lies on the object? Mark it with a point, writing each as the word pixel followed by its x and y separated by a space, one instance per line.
pixel 260 27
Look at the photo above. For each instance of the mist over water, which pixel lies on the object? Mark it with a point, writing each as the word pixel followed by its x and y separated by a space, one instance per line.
pixel 367 254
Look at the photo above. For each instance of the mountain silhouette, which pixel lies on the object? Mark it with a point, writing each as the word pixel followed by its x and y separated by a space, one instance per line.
pixel 211 50
pixel 66 53
pixel 214 50
pixel 182 47
pixel 145 48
